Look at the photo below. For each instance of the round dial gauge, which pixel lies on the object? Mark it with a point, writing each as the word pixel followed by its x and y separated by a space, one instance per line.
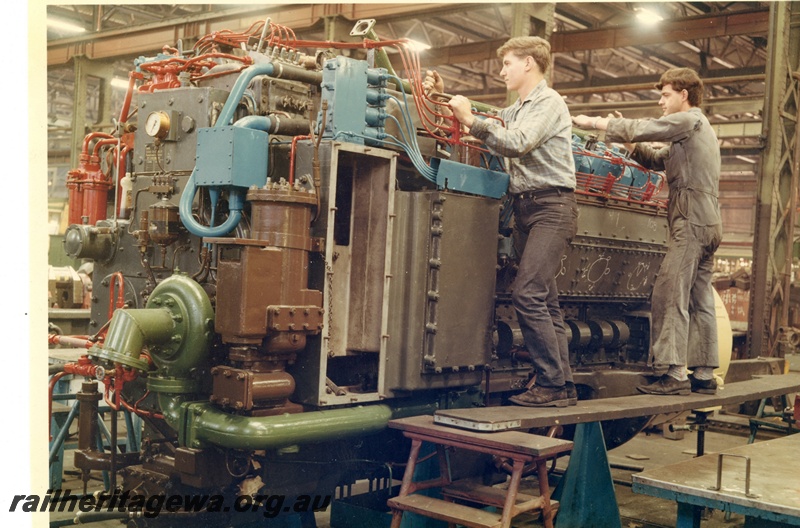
pixel 157 124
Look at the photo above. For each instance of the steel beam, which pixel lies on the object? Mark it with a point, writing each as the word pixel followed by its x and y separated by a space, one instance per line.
pixel 778 184
pixel 753 22
pixel 623 85
pixel 149 38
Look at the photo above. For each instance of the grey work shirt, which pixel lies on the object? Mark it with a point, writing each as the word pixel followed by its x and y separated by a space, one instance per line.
pixel 691 161
pixel 537 140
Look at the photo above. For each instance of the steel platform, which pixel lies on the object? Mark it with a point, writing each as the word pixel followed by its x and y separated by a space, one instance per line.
pixel 770 493
pixel 586 493
pixel 516 417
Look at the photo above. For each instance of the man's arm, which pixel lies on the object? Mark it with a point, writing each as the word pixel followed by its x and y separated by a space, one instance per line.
pixel 534 126
pixel 649 157
pixel 668 129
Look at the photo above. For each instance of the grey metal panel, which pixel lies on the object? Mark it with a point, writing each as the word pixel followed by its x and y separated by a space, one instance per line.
pixel 189 109
pixel 442 290
pixel 616 254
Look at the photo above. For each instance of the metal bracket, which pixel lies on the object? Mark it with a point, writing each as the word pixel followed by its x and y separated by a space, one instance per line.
pixel 718 487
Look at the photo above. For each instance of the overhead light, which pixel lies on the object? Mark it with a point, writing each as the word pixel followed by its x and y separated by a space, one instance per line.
pixel 416 45
pixel 117 82
pixel 65 26
pixel 647 17
pixel 748 160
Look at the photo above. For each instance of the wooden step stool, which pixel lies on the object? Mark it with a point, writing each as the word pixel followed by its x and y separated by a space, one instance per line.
pixel 521 448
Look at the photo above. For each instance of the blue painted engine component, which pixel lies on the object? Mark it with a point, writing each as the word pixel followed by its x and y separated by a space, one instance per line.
pixel 355 98
pixel 231 156
pixel 469 179
pixel 610 171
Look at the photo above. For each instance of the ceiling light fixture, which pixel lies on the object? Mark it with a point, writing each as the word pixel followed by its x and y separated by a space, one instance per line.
pixel 647 17
pixel 65 26
pixel 417 45
pixel 118 82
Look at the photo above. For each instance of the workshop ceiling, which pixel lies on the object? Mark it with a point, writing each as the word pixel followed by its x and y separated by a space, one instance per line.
pixel 605 56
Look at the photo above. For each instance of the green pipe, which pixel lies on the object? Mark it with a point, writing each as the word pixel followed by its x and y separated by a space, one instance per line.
pixel 130 331
pixel 170 405
pixel 206 424
pixel 200 423
pixel 185 351
pixel 176 326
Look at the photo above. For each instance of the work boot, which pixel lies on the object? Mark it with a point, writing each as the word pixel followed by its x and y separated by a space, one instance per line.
pixel 539 396
pixel 702 386
pixel 666 384
pixel 572 393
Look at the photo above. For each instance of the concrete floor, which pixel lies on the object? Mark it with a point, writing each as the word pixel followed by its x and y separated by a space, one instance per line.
pixel 645 451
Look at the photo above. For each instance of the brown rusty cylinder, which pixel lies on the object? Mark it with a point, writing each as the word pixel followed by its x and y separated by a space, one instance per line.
pixel 269 269
pixel 244 390
pixel 285 342
pixel 281 216
pixel 272 386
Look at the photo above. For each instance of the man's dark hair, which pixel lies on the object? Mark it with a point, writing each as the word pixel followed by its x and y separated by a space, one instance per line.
pixel 683 79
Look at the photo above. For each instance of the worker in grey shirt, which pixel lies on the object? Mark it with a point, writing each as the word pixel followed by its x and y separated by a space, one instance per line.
pixel 684 326
pixel 536 140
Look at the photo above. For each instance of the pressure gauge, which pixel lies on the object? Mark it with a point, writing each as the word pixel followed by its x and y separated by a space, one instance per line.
pixel 157 125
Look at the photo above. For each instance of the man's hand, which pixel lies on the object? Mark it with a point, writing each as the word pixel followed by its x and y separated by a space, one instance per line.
pixel 462 110
pixel 583 121
pixel 596 123
pixel 433 83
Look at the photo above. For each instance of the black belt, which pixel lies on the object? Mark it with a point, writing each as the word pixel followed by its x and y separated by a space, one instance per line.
pixel 528 195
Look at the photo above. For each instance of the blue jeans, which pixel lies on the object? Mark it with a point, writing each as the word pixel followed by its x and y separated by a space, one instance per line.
pixel 543 228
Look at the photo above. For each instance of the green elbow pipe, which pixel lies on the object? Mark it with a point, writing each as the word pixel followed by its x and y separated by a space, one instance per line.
pixel 206 424
pixel 200 424
pixel 130 331
pixel 171 408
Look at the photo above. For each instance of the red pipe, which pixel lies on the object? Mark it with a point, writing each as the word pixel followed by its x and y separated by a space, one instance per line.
pixel 73 341
pixel 132 77
pixel 292 156
pixel 93 135
pixel 118 282
pixel 103 143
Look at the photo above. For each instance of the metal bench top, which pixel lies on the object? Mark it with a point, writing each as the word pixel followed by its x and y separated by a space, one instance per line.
pixel 774 491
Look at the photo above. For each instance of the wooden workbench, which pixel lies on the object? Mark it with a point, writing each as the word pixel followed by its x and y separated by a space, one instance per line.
pixel 774 486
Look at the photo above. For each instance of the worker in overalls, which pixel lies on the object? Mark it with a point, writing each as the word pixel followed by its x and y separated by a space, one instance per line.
pixel 684 325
